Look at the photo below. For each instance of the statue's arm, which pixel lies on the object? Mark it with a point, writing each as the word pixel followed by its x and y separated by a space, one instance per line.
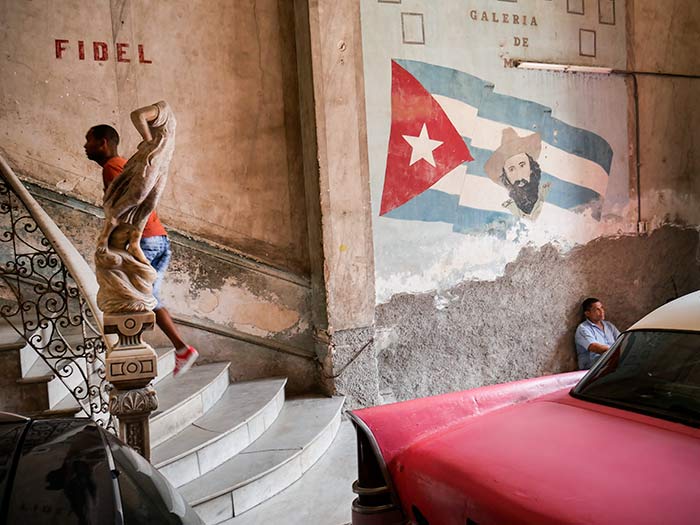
pixel 142 117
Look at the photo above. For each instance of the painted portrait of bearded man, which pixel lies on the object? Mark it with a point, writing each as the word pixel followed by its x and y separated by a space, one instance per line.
pixel 514 166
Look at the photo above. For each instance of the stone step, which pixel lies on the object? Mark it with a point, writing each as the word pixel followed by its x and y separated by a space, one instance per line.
pixel 9 343
pixel 184 399
pixel 60 400
pixel 67 407
pixel 243 413
pixel 300 435
pixel 37 382
pixel 9 336
pixel 166 363
pixel 30 354
pixel 18 395
pixel 35 369
pixel 39 372
pixel 328 484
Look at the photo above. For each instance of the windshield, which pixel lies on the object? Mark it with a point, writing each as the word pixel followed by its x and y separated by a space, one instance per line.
pixel 652 372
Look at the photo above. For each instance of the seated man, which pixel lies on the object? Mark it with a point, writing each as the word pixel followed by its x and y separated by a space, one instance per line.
pixel 594 335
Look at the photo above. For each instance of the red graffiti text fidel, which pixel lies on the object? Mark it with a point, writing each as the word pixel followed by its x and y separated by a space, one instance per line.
pixel 101 51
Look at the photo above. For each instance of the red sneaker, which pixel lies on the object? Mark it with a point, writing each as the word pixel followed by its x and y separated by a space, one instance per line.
pixel 185 361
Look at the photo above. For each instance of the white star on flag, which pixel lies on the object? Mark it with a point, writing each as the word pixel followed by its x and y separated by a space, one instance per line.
pixel 423 147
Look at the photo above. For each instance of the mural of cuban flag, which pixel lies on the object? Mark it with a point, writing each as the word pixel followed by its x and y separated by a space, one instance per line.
pixel 463 154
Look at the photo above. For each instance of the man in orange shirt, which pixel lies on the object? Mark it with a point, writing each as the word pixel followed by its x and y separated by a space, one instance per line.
pixel 101 144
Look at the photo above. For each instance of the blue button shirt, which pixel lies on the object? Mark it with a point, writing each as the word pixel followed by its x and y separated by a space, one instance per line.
pixel 588 333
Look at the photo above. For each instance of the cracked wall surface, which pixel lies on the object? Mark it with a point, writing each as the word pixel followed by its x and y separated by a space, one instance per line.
pixel 229 309
pixel 522 324
pixel 475 289
pixel 458 302
pixel 228 71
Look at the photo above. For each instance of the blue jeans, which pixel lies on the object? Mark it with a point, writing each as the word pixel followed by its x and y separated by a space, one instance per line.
pixel 157 251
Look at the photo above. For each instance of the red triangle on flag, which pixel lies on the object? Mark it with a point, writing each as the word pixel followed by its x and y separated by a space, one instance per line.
pixel 423 144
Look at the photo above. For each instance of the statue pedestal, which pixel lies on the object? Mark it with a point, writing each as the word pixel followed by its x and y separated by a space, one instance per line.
pixel 131 366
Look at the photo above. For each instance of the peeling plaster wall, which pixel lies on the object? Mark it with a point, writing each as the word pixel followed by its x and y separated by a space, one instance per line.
pixel 227 69
pixel 207 288
pixel 462 303
pixel 432 241
pixel 522 324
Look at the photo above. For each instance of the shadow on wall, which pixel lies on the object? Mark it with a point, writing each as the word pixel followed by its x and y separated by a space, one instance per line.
pixel 563 359
pixel 522 324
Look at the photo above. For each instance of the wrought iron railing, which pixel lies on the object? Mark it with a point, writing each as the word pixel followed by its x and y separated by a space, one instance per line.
pixel 47 296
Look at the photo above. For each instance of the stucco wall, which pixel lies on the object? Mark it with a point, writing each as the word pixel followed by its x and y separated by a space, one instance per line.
pixel 473 289
pixel 458 227
pixel 664 39
pixel 227 69
pixel 229 308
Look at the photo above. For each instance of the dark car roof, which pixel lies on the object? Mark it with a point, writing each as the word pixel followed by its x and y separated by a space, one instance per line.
pixel 73 471
pixel 54 470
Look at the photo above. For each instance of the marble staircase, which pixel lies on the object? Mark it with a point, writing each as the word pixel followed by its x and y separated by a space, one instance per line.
pixel 230 446
pixel 227 446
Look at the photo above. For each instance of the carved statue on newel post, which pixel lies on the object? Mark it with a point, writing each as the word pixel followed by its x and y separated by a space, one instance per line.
pixel 125 275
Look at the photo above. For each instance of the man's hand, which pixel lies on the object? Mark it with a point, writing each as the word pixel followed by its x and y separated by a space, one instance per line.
pixel 598 348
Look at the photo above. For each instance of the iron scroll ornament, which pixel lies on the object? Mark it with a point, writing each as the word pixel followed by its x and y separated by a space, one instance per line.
pixel 41 302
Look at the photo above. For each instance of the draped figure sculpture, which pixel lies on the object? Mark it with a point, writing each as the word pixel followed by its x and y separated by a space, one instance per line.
pixel 123 272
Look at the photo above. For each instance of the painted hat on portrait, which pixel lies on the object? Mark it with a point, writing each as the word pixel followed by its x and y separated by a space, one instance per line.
pixel 511 144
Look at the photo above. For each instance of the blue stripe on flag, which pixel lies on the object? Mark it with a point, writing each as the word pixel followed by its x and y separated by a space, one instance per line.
pixel 509 110
pixel 561 193
pixel 438 206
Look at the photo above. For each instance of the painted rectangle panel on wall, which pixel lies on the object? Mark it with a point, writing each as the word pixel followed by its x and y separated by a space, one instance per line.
pixel 587 43
pixel 412 28
pixel 606 12
pixel 576 7
pixel 461 153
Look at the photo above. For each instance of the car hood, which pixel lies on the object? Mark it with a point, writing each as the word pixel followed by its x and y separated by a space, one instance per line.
pixel 554 460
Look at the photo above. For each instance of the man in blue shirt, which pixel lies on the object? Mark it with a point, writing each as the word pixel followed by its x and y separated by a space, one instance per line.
pixel 594 335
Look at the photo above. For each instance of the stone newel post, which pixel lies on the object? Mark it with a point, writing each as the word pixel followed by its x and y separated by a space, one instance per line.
pixel 126 276
pixel 131 366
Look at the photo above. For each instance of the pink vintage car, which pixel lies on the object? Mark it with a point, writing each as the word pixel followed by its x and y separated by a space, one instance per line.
pixel 618 445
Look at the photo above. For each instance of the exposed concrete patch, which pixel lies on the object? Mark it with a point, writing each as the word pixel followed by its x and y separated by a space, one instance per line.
pixel 354 372
pixel 232 304
pixel 522 324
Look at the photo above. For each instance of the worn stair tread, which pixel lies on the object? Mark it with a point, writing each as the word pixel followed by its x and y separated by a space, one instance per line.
pixel 53 412
pixel 163 350
pixel 10 339
pixel 301 421
pixel 331 477
pixel 241 402
pixel 39 372
pixel 8 344
pixel 166 363
pixel 66 407
pixel 173 392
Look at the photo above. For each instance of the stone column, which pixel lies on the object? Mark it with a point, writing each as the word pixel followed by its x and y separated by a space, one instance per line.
pixel 336 176
pixel 131 366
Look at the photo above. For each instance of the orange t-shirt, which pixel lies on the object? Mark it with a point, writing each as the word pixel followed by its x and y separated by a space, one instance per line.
pixel 110 171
